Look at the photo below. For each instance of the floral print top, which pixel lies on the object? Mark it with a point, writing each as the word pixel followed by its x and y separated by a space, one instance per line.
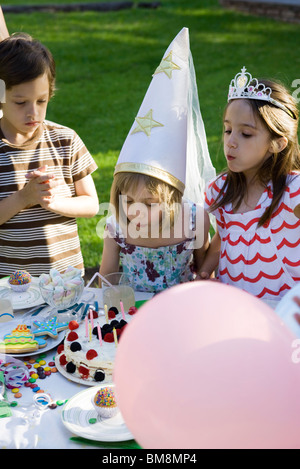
pixel 155 269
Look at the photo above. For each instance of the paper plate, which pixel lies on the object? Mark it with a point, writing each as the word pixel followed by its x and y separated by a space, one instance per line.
pixel 78 412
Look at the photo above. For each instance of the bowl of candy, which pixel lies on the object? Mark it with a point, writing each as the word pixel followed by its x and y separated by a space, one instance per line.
pixel 61 291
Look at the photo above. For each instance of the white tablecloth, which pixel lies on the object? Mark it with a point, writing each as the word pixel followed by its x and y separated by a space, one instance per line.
pixel 29 427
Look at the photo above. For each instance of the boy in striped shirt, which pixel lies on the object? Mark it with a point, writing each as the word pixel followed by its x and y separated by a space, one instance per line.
pixel 45 168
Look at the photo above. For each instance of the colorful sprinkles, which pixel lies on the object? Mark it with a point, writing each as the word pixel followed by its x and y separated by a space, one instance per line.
pixel 105 397
pixel 20 277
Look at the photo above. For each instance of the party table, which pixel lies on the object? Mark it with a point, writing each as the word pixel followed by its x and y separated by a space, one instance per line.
pixel 33 424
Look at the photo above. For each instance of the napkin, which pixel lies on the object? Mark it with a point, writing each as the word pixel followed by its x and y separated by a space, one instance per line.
pixel 130 444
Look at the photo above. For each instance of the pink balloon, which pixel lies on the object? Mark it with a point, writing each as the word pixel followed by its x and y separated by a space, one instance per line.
pixel 206 365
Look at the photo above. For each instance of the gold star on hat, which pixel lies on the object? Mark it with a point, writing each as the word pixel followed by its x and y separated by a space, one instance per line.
pixel 146 124
pixel 167 66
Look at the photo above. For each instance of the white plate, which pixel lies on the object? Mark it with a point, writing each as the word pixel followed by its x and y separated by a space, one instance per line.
pixel 75 379
pixel 7 327
pixel 79 410
pixel 28 299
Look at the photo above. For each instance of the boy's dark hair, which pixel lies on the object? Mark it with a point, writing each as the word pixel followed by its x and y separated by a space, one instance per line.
pixel 24 59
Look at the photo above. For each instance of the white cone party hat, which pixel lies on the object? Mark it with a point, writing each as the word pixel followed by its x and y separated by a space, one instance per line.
pixel 167 139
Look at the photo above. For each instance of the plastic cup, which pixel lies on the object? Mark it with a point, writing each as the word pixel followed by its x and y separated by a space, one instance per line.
pixel 119 291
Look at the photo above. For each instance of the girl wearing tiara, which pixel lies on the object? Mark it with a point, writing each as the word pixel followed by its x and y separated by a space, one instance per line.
pixel 159 230
pixel 256 201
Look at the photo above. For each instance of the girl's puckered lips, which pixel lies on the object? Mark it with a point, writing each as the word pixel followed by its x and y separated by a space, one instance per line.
pixel 230 157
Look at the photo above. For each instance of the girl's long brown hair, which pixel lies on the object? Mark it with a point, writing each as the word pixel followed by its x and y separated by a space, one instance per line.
pixel 277 167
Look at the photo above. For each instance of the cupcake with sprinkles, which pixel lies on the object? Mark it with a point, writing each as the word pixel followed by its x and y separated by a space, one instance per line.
pixel 20 280
pixel 105 403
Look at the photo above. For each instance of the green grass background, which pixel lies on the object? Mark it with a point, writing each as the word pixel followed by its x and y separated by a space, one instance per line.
pixel 105 63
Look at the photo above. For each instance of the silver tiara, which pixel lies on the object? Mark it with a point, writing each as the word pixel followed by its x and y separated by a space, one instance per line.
pixel 244 86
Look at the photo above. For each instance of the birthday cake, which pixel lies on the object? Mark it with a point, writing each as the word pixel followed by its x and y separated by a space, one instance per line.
pixel 86 355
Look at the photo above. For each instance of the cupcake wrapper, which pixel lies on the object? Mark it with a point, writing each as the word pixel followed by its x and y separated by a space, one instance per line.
pixel 20 288
pixel 105 412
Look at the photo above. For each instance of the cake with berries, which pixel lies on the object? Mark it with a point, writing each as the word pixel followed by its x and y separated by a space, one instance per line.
pixel 87 356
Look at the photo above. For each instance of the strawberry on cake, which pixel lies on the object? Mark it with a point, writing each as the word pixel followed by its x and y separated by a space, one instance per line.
pixel 86 356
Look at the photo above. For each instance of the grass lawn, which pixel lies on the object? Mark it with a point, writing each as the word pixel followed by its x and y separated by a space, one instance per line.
pixel 105 62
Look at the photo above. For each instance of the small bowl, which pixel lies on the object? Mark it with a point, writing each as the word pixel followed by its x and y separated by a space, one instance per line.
pixel 62 297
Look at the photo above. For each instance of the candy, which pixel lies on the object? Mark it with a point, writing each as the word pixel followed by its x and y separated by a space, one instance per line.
pixel 61 290
pixel 60 402
pixel 31 377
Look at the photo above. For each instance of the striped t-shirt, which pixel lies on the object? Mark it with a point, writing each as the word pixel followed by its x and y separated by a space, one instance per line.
pixel 36 239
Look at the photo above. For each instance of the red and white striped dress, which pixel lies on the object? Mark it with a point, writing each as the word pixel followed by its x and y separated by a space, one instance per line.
pixel 264 261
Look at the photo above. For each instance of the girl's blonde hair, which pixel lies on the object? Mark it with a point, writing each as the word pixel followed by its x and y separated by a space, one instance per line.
pixel 169 196
pixel 277 167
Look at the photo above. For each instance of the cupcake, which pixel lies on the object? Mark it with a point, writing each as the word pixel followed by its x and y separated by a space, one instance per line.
pixel 20 280
pixel 105 403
